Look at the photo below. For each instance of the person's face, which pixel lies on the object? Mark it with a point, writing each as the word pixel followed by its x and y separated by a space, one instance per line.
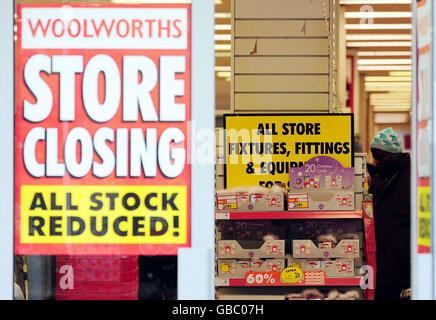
pixel 381 156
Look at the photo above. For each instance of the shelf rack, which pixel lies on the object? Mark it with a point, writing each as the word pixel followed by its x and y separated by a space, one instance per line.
pixel 241 282
pixel 292 215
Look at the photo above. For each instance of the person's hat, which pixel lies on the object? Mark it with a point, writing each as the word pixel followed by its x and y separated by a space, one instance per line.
pixel 387 140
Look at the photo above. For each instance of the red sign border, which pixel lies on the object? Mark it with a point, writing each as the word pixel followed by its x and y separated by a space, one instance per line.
pixel 103 249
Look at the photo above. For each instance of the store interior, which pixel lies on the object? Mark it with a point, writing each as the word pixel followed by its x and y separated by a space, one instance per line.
pixel 337 57
pixel 266 65
pixel 374 65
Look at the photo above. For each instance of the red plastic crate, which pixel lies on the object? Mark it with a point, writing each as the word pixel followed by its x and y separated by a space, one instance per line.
pixel 102 275
pixel 98 296
pixel 100 287
pixel 99 278
pixel 99 263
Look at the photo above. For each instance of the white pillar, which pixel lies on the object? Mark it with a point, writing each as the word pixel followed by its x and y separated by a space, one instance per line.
pixel 422 266
pixel 7 157
pixel 196 267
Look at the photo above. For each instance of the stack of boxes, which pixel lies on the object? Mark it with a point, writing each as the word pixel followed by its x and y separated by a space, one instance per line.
pixel 97 278
pixel 236 258
pixel 246 201
pixel 335 261
pixel 361 180
pixel 322 184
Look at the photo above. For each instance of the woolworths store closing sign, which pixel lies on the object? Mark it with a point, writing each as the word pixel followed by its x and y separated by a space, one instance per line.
pixel 260 149
pixel 103 107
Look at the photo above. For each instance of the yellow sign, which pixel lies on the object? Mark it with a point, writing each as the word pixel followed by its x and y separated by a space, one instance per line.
pixel 225 267
pixel 424 217
pixel 103 214
pixel 292 274
pixel 260 150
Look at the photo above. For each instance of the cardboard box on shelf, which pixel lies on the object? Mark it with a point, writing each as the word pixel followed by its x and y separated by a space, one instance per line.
pixel 234 268
pixel 358 165
pixel 251 230
pixel 329 294
pixel 364 162
pixel 358 201
pixel 360 161
pixel 346 248
pixel 358 183
pixel 250 202
pixel 321 200
pixel 304 229
pixel 321 173
pixel 338 268
pixel 219 183
pixel 251 249
pixel 321 184
pixel 245 296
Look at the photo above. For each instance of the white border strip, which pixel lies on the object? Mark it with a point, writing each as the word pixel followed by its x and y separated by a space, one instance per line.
pixel 7 146
pixel 422 270
pixel 196 266
pixel 413 171
pixel 431 284
pixel 68 27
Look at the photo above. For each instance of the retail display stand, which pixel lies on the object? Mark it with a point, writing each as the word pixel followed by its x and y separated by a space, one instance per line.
pixel 97 277
pixel 370 246
pixel 284 47
pixel 266 254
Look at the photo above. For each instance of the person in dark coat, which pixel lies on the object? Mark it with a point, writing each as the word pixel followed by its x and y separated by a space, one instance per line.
pixel 390 187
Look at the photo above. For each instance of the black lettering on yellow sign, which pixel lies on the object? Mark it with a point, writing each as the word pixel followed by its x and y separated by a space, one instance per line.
pixel 130 201
pixel 424 202
pixel 424 228
pixel 307 129
pixel 258 148
pixel 269 184
pixel 98 226
pixel 424 217
pixel 278 167
pixel 322 148
pixel 39 202
pixel 130 214
pixel 264 129
pixel 263 147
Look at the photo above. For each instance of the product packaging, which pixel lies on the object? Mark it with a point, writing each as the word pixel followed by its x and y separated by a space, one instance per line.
pixel 238 268
pixel 346 248
pixel 315 294
pixel 321 184
pixel 230 295
pixel 358 183
pixel 321 200
pixel 251 230
pixel 245 202
pixel 251 249
pixel 338 268
pixel 358 200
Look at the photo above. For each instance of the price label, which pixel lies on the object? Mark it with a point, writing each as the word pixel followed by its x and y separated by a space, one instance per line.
pixel 222 216
pixel 314 278
pixel 262 278
pixel 292 274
